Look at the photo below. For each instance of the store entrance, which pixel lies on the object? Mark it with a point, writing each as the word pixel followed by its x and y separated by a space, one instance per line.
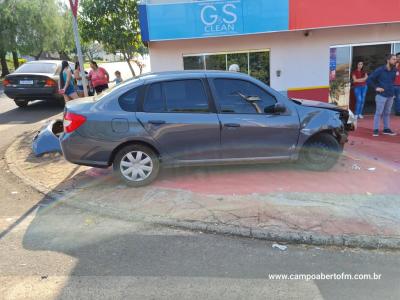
pixel 373 56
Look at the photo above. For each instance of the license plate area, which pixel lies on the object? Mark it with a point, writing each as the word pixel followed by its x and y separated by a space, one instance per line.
pixel 26 82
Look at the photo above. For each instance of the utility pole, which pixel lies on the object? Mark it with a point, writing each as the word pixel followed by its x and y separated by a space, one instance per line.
pixel 74 9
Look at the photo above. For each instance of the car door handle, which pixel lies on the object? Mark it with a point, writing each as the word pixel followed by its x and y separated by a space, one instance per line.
pixel 231 125
pixel 157 122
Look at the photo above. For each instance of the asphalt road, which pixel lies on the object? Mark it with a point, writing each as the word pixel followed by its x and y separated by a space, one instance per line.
pixel 51 251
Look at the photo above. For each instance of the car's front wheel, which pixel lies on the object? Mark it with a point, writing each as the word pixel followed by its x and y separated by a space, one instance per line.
pixel 321 152
pixel 21 103
pixel 137 165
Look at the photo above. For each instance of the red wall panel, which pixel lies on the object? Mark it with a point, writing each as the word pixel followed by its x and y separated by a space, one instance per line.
pixel 306 14
pixel 320 94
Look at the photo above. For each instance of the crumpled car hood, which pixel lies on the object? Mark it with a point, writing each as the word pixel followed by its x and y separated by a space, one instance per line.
pixel 319 104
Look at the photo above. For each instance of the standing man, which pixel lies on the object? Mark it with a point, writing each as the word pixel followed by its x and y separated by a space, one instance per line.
pixel 382 81
pixel 397 86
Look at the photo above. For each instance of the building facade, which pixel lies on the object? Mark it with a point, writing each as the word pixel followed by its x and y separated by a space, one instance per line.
pixel 304 48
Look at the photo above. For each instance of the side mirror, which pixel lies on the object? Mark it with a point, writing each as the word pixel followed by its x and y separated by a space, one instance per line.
pixel 275 109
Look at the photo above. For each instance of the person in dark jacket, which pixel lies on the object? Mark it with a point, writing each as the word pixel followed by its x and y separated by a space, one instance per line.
pixel 382 82
pixel 397 86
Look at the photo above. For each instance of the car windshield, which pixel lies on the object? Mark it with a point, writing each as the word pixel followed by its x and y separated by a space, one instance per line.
pixel 46 68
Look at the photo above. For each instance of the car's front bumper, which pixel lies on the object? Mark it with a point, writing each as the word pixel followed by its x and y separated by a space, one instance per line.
pixel 46 140
pixel 351 122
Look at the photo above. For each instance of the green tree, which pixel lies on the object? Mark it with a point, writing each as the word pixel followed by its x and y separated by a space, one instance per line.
pixel 115 24
pixel 91 49
pixel 4 34
pixel 29 27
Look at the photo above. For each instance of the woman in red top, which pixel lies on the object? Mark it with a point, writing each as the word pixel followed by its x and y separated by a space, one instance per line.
pixel 98 77
pixel 360 88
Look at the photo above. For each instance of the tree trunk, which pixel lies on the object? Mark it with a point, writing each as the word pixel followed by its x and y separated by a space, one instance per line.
pixel 15 59
pixel 63 55
pixel 38 56
pixel 4 67
pixel 129 64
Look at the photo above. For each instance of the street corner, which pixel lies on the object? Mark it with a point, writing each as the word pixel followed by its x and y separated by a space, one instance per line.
pixel 355 201
pixel 46 173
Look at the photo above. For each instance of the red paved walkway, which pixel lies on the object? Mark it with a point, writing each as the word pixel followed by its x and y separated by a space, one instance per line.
pixel 363 151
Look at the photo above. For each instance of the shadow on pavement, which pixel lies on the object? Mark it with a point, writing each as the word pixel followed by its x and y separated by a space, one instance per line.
pixel 34 112
pixel 107 248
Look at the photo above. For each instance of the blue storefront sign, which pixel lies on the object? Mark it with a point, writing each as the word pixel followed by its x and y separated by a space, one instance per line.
pixel 200 19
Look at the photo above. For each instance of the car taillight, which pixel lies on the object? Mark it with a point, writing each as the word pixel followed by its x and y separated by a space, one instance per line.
pixel 73 121
pixel 6 82
pixel 50 83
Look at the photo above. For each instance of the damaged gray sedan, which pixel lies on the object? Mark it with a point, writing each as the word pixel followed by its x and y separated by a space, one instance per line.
pixel 197 118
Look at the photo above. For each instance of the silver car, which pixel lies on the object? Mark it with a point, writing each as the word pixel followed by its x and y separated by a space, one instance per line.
pixel 197 118
pixel 35 80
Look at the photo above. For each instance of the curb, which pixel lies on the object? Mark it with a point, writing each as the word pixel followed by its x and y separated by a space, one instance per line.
pixel 305 237
pixel 10 158
pixel 291 237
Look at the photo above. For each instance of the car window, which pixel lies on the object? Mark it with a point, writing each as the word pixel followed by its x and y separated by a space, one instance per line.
pixel 128 100
pixel 232 95
pixel 46 68
pixel 154 101
pixel 186 96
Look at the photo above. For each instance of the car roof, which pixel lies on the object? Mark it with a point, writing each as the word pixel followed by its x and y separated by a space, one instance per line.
pixel 189 73
pixel 45 61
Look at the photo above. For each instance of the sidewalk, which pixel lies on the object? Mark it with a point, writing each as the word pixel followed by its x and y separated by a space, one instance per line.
pixel 355 204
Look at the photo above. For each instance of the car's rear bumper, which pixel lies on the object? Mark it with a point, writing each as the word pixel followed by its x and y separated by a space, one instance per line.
pixel 84 151
pixel 32 93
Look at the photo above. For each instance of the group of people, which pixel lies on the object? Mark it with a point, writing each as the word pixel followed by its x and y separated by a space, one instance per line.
pixel 385 81
pixel 71 84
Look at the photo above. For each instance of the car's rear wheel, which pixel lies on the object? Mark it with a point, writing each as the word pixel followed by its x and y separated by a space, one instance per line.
pixel 321 152
pixel 137 165
pixel 21 103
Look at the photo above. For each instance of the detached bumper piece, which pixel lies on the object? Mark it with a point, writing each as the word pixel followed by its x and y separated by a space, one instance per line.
pixel 351 122
pixel 47 139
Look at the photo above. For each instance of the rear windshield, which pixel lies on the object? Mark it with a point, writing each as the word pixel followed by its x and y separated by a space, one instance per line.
pixel 116 88
pixel 47 68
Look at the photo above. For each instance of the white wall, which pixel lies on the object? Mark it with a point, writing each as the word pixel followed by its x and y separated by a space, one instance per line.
pixel 304 61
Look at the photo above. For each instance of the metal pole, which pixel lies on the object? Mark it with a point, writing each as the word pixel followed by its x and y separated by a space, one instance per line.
pixel 80 56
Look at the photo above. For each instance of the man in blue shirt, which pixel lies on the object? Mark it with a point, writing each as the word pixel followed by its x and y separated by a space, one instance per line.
pixel 382 81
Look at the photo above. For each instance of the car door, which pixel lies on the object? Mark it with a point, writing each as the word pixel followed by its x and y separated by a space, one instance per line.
pixel 177 114
pixel 248 132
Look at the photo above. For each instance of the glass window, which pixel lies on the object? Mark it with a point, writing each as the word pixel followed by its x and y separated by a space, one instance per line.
pixel 154 101
pixel 255 64
pixel 128 100
pixel 216 62
pixel 339 75
pixel 259 66
pixel 240 97
pixel 46 68
pixel 240 59
pixel 193 63
pixel 186 96
pixel 396 48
